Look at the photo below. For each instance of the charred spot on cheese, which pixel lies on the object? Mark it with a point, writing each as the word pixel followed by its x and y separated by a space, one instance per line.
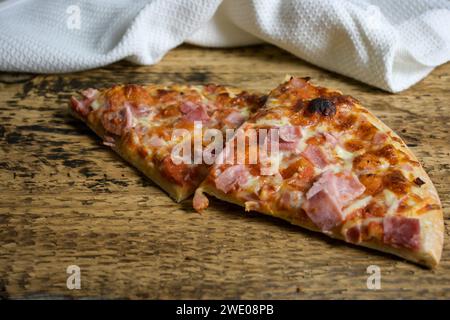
pixel 419 181
pixel 322 106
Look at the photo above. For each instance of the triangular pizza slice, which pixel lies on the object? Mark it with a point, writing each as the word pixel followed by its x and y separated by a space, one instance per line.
pixel 144 123
pixel 331 166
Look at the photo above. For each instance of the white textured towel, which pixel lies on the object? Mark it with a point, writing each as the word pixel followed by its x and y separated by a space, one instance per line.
pixel 388 44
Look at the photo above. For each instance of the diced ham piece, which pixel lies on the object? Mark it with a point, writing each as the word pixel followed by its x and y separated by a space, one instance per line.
pixel 327 197
pixel 287 146
pixel 290 133
pixel 141 111
pixel 155 141
pixel 379 138
pixel 297 82
pixel 331 138
pixel 343 186
pixel 200 201
pixel 194 112
pixel 323 210
pixel 402 231
pixel 316 156
pixel 289 136
pixel 128 118
pixel 89 93
pixel 80 106
pixel 230 177
pixel 235 118
pixel 187 107
pixel 118 122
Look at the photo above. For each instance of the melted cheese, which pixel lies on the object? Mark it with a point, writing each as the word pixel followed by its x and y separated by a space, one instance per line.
pixel 358 204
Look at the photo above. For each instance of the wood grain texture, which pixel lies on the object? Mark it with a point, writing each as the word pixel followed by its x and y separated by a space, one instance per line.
pixel 66 199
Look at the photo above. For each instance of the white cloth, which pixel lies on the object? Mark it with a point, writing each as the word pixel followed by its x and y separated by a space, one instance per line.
pixel 390 44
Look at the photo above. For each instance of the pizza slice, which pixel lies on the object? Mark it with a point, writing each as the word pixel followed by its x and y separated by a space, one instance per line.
pixel 141 123
pixel 329 165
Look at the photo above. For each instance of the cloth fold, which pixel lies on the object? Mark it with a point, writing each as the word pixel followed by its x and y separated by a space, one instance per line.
pixel 388 44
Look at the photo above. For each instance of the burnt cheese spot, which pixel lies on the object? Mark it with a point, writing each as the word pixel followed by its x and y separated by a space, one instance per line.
pixel 322 106
pixel 419 181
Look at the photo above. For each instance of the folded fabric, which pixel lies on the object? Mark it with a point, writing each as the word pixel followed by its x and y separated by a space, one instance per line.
pixel 387 44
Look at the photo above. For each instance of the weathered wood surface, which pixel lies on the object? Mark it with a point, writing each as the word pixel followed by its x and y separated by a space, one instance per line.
pixel 65 199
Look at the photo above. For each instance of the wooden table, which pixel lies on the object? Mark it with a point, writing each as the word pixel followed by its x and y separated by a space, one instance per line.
pixel 67 200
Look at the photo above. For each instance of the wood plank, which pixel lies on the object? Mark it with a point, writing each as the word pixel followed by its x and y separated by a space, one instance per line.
pixel 65 199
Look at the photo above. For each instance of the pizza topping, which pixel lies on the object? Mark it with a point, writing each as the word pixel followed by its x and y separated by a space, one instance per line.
pixel 372 182
pixel 328 196
pixel 232 176
pixel 235 118
pixel 200 201
pixel 396 182
pixel 298 82
pixel 90 93
pixel 141 110
pixel 380 137
pixel 154 141
pixel 419 181
pixel 288 146
pixel 316 156
pixel 362 232
pixel 290 133
pixel 301 179
pixel 332 138
pixel 323 210
pixel 366 161
pixel 194 112
pixel 118 122
pixel 290 199
pixel 402 232
pixel 80 106
pixel 343 186
pixel 388 152
pixel 354 145
pixel 323 106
